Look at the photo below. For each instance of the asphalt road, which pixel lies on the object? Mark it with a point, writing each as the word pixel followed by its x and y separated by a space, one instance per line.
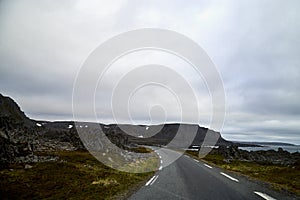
pixel 187 178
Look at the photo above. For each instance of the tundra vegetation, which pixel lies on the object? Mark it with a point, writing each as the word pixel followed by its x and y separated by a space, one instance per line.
pixel 76 175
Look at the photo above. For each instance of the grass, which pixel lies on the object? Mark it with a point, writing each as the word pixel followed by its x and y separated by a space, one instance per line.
pixel 280 177
pixel 77 176
pixel 141 149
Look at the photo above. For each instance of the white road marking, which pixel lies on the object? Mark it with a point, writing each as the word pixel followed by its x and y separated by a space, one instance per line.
pixel 196 160
pixel 160 168
pixel 263 195
pixel 39 125
pixel 231 178
pixel 208 166
pixel 150 181
pixel 154 180
pixel 186 156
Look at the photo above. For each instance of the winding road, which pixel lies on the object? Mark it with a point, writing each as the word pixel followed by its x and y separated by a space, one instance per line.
pixel 187 178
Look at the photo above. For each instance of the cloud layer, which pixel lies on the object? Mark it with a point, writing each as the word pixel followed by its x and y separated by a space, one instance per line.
pixel 254 44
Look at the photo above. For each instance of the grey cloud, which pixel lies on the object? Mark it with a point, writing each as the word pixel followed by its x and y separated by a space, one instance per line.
pixel 255 45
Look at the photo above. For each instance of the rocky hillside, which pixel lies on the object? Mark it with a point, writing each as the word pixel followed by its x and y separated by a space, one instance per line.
pixel 11 115
pixel 163 134
pixel 24 140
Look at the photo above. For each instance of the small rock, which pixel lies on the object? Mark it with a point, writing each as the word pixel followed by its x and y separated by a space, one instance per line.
pixel 28 166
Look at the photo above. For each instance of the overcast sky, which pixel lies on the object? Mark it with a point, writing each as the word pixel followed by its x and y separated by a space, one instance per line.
pixel 254 44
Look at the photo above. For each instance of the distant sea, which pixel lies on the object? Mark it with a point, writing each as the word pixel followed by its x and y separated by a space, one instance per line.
pixel 289 148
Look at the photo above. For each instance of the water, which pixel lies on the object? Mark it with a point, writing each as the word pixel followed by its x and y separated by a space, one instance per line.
pixel 291 149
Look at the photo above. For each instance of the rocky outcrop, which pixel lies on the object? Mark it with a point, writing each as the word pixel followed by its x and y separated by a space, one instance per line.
pixel 279 157
pixel 21 139
pixel 11 115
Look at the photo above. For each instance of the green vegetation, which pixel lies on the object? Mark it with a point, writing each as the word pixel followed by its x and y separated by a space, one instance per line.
pixel 77 175
pixel 280 177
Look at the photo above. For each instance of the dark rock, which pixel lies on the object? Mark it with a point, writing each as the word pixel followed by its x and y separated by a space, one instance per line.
pixel 279 157
pixel 21 139
pixel 11 114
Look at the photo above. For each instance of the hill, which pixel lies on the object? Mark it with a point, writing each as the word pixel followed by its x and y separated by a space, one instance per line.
pixel 22 139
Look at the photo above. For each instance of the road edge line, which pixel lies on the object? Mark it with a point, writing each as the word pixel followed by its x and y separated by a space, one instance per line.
pixel 148 182
pixel 154 180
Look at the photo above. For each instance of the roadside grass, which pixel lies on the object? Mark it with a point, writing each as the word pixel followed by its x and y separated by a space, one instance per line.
pixel 142 165
pixel 280 177
pixel 141 149
pixel 78 175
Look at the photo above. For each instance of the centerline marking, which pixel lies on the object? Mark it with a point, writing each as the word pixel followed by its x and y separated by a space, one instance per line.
pixel 263 195
pixel 231 178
